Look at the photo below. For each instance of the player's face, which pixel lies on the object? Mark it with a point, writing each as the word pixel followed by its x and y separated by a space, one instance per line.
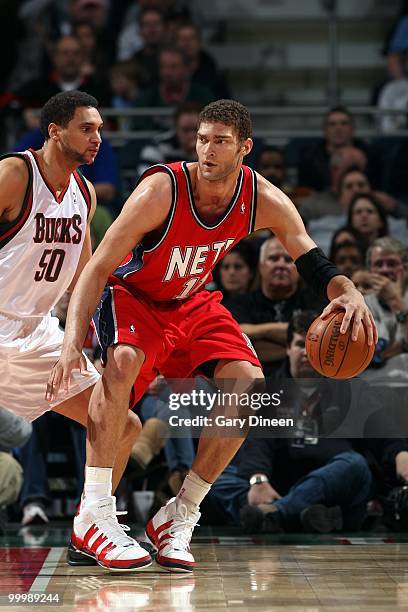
pixel 219 150
pixel 81 139
pixel 298 362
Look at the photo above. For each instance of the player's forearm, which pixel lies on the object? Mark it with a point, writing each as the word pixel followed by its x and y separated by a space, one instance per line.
pixel 82 306
pixel 338 285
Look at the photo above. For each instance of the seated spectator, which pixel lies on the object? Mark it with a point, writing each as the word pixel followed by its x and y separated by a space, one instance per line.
pixel 124 80
pixel 335 203
pixel 319 484
pixel 14 432
pixel 271 164
pixel 156 435
pixel 103 174
pixel 264 313
pixel 327 212
pixel 66 76
pixel 201 67
pixel 173 87
pixel 152 31
pixel 394 93
pixel 348 257
pixel 318 161
pixel 340 236
pixel 176 146
pixel 235 274
pixel 35 493
pixel 94 61
pixel 367 218
pixel 363 280
pixel 387 261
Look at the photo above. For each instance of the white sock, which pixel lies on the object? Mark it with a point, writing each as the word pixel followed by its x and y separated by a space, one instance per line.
pixel 193 490
pixel 98 484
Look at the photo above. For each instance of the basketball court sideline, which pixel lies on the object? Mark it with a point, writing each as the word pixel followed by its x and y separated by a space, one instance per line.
pixel 270 573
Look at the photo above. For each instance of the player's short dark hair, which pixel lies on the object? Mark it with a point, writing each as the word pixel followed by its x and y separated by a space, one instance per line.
pixel 229 112
pixel 60 109
pixel 299 323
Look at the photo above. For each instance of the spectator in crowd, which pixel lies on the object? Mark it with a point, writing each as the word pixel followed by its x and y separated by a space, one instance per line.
pixel 174 86
pixel 66 76
pixel 307 480
pixel 235 274
pixel 103 174
pixel 156 435
pixel 387 261
pixel 152 30
pixel 264 313
pixel 35 493
pixel 326 214
pixel 94 61
pixel 10 34
pixel 124 80
pixel 271 164
pixel 201 67
pixel 367 218
pixel 394 93
pixel 363 280
pixel 340 236
pixel 130 37
pixel 322 162
pixel 348 257
pixel 89 11
pixel 14 432
pixel 176 146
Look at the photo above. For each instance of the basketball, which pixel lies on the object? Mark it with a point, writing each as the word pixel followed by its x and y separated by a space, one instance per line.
pixel 334 354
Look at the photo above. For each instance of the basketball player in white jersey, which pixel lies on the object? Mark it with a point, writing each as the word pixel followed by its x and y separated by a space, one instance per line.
pixel 46 206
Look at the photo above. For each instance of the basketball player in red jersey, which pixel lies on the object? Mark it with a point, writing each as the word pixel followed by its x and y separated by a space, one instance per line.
pixel 156 316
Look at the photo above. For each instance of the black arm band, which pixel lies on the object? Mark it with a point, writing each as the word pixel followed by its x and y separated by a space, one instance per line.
pixel 316 270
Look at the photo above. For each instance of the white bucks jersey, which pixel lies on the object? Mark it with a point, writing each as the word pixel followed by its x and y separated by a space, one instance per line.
pixel 40 250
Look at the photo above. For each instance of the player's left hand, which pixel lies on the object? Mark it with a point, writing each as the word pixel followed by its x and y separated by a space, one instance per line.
pixel 356 313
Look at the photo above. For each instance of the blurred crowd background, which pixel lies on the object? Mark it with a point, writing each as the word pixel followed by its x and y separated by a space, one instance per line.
pixel 327 86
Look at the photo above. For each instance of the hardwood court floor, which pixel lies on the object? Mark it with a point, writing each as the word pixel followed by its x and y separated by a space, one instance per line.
pixel 242 573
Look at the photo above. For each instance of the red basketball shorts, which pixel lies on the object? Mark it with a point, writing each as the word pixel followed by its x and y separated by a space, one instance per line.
pixel 176 337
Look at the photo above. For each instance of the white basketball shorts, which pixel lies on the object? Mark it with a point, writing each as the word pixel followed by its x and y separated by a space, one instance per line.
pixel 28 350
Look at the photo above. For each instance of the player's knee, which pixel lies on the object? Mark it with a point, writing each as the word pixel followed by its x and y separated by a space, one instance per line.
pixel 124 363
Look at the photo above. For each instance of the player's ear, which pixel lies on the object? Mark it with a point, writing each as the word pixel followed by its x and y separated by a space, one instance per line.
pixel 247 145
pixel 53 131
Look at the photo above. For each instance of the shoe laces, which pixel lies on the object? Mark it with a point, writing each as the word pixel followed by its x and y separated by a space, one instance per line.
pixel 182 527
pixel 115 531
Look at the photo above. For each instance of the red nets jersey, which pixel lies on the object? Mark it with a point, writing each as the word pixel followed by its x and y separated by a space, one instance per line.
pixel 179 262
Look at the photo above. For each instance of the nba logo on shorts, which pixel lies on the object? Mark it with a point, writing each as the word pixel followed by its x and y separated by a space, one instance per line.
pixel 132 328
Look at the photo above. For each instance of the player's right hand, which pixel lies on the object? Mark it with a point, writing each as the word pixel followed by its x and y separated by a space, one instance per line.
pixel 62 370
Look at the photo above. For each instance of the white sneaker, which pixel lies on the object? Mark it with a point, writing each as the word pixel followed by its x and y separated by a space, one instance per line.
pixel 170 530
pixel 98 534
pixel 34 514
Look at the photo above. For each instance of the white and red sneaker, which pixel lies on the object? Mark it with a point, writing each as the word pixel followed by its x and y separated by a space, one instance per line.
pixel 98 534
pixel 170 530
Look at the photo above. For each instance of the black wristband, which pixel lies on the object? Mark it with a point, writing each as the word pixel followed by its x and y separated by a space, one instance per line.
pixel 316 270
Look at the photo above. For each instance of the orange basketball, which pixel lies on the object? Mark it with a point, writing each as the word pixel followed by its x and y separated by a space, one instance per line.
pixel 334 354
